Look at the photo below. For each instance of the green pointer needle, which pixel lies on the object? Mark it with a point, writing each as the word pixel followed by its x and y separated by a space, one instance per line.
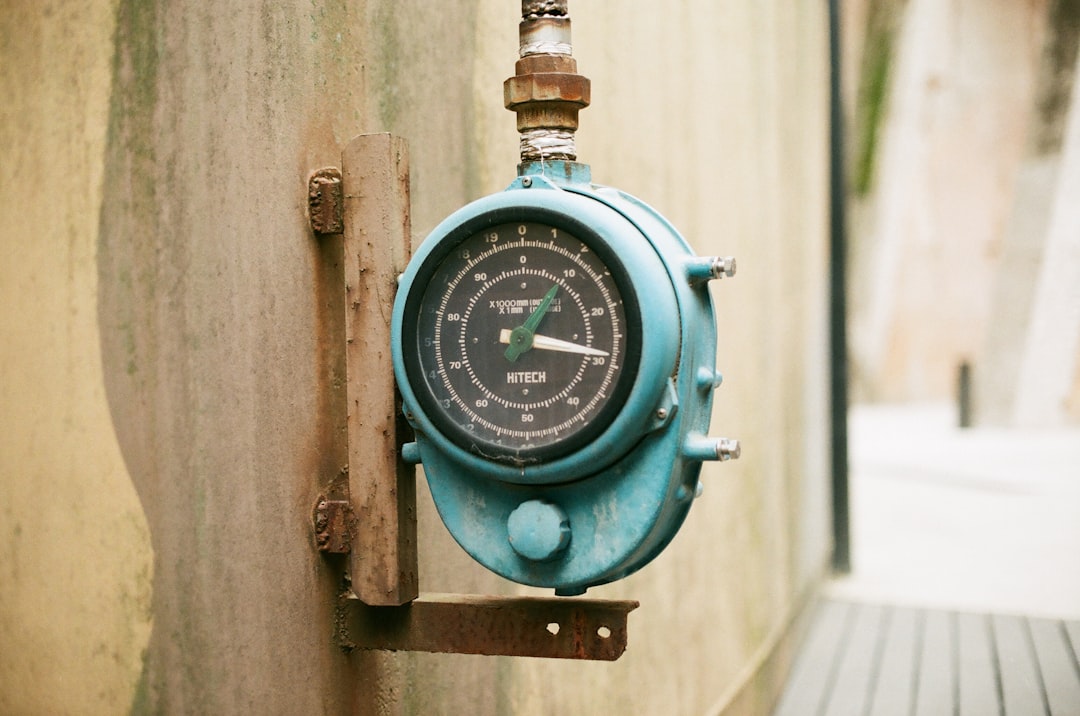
pixel 521 338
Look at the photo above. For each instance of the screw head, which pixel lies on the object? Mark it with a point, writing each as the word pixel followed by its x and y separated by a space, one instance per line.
pixel 526 182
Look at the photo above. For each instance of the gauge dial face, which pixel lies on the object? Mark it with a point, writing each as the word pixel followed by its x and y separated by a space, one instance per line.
pixel 526 341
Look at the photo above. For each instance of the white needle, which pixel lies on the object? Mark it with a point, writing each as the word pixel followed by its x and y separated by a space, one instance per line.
pixel 545 343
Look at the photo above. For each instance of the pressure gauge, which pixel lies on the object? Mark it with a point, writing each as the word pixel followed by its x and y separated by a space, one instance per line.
pixel 525 336
pixel 554 345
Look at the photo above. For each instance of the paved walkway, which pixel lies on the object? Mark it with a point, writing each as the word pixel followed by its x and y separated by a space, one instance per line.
pixel 982 519
pixel 964 597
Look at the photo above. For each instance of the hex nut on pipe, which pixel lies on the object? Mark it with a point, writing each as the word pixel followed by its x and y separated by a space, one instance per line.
pixel 561 87
pixel 547 100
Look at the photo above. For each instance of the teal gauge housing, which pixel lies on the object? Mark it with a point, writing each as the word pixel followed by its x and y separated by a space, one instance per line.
pixel 555 349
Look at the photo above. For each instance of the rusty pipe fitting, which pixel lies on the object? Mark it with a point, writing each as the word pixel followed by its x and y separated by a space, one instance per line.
pixel 544 7
pixel 546 92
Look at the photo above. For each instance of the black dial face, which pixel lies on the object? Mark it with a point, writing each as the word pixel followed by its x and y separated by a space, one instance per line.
pixel 525 342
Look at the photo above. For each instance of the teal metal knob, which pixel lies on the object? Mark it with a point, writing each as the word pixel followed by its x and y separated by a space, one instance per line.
pixel 538 530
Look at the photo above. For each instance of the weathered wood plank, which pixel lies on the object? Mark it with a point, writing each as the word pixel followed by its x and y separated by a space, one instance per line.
pixel 812 673
pixel 857 669
pixel 935 693
pixel 978 686
pixel 382 488
pixel 1061 682
pixel 1021 687
pixel 894 687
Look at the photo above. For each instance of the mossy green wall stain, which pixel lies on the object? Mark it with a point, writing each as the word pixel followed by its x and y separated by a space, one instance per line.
pixel 332 36
pixel 419 80
pixel 140 702
pixel 135 69
pixel 386 68
pixel 878 57
pixel 131 145
pixel 127 227
pixel 1053 94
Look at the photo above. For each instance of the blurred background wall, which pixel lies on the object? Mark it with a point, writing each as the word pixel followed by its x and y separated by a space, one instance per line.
pixel 965 243
pixel 164 386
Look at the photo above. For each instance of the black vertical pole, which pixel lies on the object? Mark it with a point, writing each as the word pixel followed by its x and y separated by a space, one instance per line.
pixel 963 395
pixel 841 519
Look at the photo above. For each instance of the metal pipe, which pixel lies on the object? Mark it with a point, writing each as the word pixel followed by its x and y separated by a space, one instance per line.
pixel 841 559
pixel 546 92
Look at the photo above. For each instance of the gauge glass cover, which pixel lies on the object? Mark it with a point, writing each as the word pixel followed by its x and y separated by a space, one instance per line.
pixel 527 339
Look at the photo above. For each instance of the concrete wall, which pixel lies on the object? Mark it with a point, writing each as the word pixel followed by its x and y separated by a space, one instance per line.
pixel 166 396
pixel 933 186
pixel 958 160
pixel 1028 371
pixel 75 556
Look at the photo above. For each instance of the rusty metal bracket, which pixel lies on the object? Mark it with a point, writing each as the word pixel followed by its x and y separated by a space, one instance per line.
pixel 333 521
pixel 382 487
pixel 554 628
pixel 381 608
pixel 326 201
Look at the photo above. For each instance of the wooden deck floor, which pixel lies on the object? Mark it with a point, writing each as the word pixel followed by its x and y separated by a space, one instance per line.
pixel 877 660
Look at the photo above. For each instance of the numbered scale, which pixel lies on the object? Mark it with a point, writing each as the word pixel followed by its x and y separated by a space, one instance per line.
pixel 554 345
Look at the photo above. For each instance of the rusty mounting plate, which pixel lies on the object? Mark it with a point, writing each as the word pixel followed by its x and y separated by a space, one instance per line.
pixel 333 522
pixel 325 201
pixel 555 628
